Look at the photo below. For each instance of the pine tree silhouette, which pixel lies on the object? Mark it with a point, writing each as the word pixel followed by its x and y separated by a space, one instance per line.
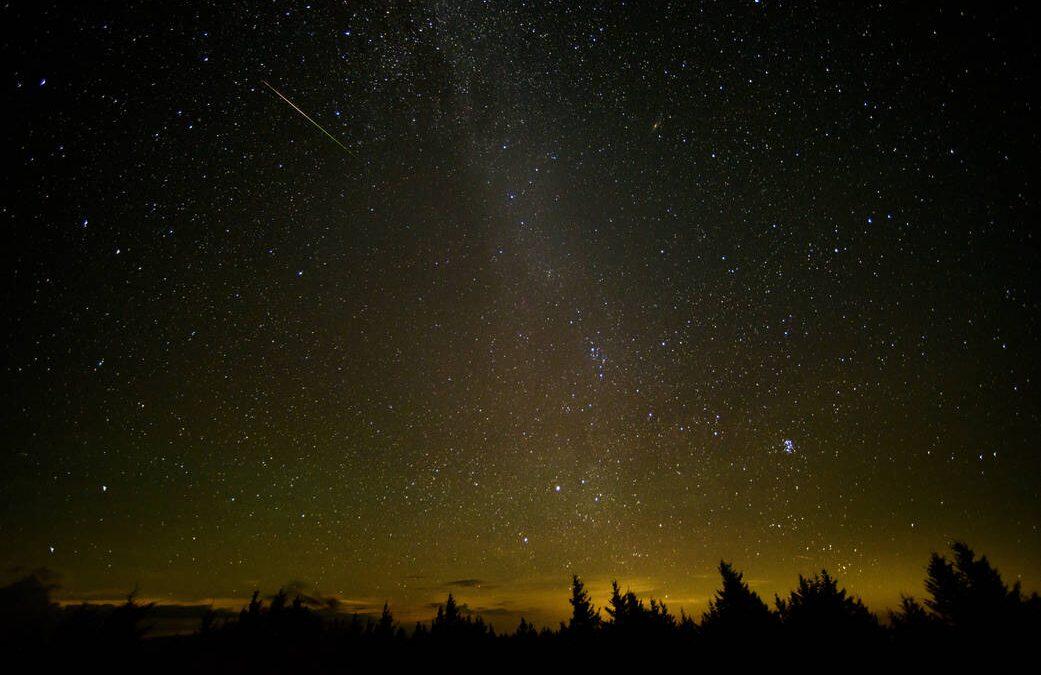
pixel 736 611
pixel 969 596
pixel 278 602
pixel 124 627
pixel 584 618
pixel 525 631
pixel 913 624
pixel 818 608
pixel 625 609
pixel 659 619
pixel 451 615
pixel 385 626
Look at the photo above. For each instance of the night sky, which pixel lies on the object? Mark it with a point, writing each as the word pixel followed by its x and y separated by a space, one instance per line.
pixel 614 289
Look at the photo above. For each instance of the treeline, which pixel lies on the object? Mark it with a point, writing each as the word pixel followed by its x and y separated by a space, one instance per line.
pixel 967 608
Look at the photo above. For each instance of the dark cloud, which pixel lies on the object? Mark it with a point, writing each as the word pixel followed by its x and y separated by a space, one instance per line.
pixel 315 599
pixel 493 612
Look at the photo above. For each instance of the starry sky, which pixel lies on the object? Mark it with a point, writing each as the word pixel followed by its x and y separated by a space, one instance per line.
pixel 616 289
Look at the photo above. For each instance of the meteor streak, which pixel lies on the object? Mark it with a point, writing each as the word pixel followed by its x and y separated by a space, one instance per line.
pixel 306 116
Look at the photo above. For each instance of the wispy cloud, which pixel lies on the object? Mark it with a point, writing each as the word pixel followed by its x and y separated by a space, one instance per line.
pixel 466 583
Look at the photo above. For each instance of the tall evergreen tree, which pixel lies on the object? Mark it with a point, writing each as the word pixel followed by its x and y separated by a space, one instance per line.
pixel 616 604
pixel 659 618
pixel 820 608
pixel 584 618
pixel 525 631
pixel 451 611
pixel 913 624
pixel 385 625
pixel 968 593
pixel 737 610
pixel 278 602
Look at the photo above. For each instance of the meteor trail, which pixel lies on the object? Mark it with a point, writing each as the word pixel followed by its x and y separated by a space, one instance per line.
pixel 306 116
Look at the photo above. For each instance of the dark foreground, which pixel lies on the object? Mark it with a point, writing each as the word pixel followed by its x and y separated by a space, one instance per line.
pixel 968 612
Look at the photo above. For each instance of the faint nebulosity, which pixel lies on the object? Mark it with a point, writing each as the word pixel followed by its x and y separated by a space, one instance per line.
pixel 613 289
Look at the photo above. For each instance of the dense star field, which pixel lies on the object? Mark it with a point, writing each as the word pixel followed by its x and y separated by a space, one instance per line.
pixel 614 289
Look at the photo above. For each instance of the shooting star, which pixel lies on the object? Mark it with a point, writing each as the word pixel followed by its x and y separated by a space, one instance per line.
pixel 306 116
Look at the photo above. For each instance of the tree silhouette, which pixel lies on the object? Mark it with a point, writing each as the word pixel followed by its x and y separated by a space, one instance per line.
pixel 385 626
pixel 737 610
pixel 249 617
pixel 29 619
pixel 525 631
pixel 968 598
pixel 447 620
pixel 659 619
pixel 26 610
pixel 819 608
pixel 450 616
pixel 634 621
pixel 625 609
pixel 123 627
pixel 914 624
pixel 968 607
pixel 278 602
pixel 687 628
pixel 968 593
pixel 450 624
pixel 208 622
pixel 584 618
